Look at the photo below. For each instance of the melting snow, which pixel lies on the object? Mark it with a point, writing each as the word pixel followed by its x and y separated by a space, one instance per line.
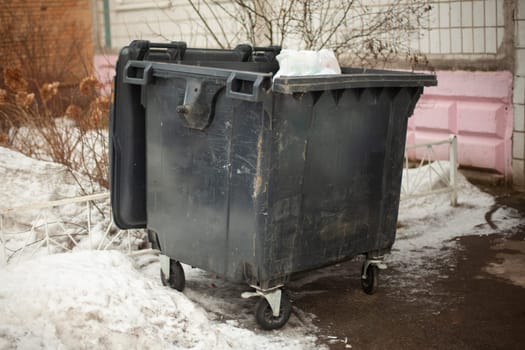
pixel 105 299
pixel 99 299
pixel 429 225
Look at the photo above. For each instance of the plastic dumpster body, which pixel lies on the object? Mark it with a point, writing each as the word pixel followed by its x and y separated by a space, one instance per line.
pixel 127 122
pixel 254 181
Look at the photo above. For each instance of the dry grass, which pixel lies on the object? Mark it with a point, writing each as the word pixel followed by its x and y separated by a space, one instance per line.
pixel 63 125
pixel 47 110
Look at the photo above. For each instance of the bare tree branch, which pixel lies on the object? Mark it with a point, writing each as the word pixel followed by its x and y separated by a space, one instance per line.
pixel 369 32
pixel 205 22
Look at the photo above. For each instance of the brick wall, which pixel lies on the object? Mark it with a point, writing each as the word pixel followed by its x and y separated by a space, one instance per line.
pixel 50 39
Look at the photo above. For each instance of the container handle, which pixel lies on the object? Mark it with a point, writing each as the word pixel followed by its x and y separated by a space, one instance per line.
pixel 250 84
pixel 138 73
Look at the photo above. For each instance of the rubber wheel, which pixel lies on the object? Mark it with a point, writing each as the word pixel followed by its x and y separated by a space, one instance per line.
pixel 265 317
pixel 177 279
pixel 369 284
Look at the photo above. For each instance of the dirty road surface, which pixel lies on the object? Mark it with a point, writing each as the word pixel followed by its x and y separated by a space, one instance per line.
pixel 471 298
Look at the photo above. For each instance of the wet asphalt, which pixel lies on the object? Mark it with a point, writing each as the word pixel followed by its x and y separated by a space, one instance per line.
pixel 473 299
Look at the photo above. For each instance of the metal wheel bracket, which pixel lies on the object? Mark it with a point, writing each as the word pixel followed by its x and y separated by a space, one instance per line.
pixel 273 296
pixel 373 262
pixel 165 265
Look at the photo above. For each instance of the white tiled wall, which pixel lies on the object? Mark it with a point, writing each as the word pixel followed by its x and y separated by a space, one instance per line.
pixel 518 141
pixel 519 96
pixel 467 28
pixel 519 123
pixel 463 28
pixel 160 20
pixel 455 29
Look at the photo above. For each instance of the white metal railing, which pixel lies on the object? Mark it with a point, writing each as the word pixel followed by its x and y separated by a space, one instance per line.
pixel 428 166
pixel 49 240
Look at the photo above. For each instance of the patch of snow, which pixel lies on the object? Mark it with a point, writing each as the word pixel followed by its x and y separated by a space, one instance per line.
pixel 82 147
pixel 27 181
pixel 429 226
pixel 98 299
pixel 101 299
pixel 105 299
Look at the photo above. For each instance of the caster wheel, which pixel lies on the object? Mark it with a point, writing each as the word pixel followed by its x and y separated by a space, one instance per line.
pixel 176 280
pixel 265 317
pixel 369 284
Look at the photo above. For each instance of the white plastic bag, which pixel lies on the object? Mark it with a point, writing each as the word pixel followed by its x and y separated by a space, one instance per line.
pixel 305 62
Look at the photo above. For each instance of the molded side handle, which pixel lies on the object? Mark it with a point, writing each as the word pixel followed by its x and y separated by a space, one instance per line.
pixel 138 73
pixel 238 79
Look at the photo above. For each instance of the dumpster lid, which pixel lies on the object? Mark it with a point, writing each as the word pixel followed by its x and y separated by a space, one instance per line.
pixel 172 70
pixel 352 78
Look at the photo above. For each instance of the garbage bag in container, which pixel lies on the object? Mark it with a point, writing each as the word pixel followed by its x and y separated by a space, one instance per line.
pixel 255 180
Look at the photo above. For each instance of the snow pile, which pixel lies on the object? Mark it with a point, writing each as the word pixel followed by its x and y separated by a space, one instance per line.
pixel 101 299
pixel 429 225
pixel 84 146
pixel 430 177
pixel 26 181
pixel 96 299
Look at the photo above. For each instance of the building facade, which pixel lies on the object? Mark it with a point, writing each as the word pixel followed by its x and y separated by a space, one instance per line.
pixel 476 48
pixel 50 40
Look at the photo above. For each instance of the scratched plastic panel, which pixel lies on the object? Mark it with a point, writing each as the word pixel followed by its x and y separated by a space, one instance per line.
pixel 267 189
pixel 335 176
pixel 188 178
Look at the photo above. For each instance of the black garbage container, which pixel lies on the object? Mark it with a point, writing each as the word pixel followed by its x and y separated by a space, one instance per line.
pixel 256 180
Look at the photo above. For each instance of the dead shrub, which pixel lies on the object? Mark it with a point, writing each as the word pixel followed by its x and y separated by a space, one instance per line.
pixel 25 99
pixel 89 86
pixel 73 112
pixel 50 103
pixel 40 125
pixel 49 90
pixel 14 79
pixel 3 96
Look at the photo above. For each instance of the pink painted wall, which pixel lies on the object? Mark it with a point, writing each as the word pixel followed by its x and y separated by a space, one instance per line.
pixel 105 70
pixel 477 107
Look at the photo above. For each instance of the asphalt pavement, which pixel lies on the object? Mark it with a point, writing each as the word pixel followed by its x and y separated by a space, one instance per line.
pixel 474 300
